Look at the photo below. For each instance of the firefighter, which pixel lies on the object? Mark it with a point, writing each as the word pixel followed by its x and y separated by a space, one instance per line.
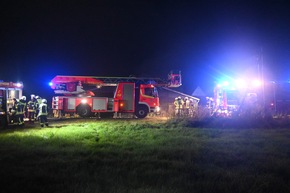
pixel 191 107
pixel 186 106
pixel 31 108
pixel 43 112
pixel 12 111
pixel 176 104
pixel 23 106
pixel 20 107
pixel 38 102
pixel 39 99
pixel 180 105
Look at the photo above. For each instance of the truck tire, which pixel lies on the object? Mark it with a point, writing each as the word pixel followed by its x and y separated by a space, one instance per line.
pixel 141 111
pixel 84 110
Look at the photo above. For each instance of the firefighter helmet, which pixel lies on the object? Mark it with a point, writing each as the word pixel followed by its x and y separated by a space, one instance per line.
pixel 44 101
pixel 23 98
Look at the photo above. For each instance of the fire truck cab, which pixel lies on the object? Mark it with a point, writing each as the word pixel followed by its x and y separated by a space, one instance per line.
pixel 90 95
pixel 8 91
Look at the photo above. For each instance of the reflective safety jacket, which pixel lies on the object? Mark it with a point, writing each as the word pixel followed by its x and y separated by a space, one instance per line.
pixel 42 109
pixel 180 103
pixel 176 104
pixel 187 102
pixel 20 107
pixel 32 105
pixel 39 101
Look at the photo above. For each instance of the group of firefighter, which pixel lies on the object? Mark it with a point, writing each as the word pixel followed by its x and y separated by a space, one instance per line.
pixel 34 109
pixel 185 107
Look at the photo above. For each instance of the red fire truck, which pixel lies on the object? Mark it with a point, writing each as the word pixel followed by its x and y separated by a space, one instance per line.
pixel 8 91
pixel 91 95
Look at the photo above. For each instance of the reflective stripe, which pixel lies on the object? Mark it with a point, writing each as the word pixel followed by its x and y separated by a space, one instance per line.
pixel 42 109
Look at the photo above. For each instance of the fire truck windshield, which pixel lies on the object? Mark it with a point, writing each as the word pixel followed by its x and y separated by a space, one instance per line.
pixel 151 92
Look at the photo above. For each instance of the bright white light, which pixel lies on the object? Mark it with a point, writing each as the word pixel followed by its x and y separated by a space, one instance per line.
pixel 50 83
pixel 157 109
pixel 256 83
pixel 241 83
pixel 18 84
pixel 225 83
pixel 84 101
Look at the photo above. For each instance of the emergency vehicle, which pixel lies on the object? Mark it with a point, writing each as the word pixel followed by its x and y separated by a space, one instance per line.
pixel 8 91
pixel 235 98
pixel 92 95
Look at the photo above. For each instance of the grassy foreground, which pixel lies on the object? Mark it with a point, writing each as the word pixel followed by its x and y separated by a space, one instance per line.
pixel 133 156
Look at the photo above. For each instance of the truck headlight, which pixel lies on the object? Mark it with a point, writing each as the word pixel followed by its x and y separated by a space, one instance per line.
pixel 157 109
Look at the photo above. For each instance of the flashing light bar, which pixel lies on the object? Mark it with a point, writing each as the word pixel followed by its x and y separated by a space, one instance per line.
pixel 240 83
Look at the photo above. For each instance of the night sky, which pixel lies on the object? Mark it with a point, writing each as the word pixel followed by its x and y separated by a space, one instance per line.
pixel 205 40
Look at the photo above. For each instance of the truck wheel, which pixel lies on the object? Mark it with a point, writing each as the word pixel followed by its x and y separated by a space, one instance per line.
pixel 84 110
pixel 141 112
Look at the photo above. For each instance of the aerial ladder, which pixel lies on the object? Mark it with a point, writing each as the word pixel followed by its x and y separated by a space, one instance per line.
pixel 93 95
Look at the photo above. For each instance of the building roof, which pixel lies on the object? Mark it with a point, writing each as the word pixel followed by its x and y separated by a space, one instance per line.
pixel 198 92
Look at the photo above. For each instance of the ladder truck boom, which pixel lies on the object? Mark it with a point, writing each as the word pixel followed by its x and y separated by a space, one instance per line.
pixel 60 84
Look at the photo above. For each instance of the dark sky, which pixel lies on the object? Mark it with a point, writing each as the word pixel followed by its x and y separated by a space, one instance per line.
pixel 206 40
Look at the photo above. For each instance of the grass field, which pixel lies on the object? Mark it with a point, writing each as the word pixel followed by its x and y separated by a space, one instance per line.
pixel 133 156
